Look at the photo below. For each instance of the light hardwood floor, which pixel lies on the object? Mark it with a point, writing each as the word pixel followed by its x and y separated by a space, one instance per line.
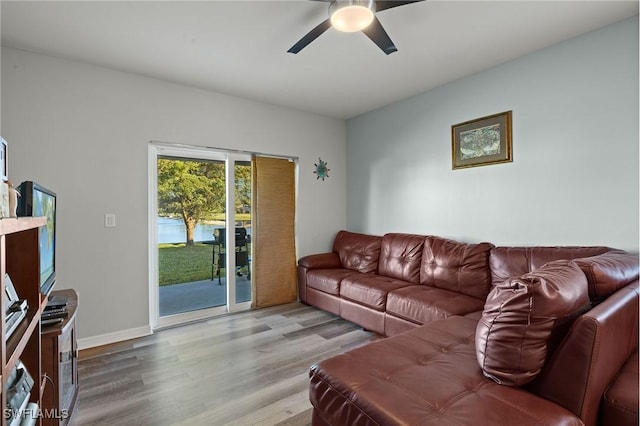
pixel 249 368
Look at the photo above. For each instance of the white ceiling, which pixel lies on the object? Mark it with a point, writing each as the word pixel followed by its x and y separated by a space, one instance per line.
pixel 240 47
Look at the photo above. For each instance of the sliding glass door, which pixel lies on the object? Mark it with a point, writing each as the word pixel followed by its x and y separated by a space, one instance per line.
pixel 200 255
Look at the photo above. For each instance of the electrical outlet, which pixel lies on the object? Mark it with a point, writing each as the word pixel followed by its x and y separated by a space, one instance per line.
pixel 109 220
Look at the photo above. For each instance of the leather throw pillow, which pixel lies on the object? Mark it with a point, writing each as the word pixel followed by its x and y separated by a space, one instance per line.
pixel 525 317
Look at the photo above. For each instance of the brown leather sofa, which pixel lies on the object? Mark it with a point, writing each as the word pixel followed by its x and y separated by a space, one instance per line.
pixel 479 334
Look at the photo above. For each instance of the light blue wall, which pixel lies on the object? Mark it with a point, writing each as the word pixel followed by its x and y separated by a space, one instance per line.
pixel 574 176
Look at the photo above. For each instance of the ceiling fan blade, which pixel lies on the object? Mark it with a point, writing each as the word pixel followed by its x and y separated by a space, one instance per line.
pixel 384 5
pixel 379 36
pixel 311 35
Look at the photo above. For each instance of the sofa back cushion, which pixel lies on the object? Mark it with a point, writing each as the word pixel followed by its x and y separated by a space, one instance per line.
pixel 358 252
pixel 400 256
pixel 608 272
pixel 459 267
pixel 524 316
pixel 508 262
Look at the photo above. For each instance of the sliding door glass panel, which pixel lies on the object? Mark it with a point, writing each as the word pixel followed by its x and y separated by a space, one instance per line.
pixel 242 220
pixel 200 256
pixel 191 196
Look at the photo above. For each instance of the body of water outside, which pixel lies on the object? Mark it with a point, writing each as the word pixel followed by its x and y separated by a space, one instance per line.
pixel 171 230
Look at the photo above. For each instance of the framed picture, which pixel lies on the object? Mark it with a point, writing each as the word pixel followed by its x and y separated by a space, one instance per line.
pixel 482 141
pixel 4 173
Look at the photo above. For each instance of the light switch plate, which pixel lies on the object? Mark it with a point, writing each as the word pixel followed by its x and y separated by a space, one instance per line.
pixel 109 220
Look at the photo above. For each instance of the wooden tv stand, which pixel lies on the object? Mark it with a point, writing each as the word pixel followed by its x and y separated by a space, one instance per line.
pixel 59 358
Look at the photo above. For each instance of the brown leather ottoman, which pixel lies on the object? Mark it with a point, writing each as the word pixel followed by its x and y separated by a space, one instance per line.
pixel 619 405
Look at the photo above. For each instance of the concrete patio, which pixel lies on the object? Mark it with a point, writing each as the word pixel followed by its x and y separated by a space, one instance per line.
pixel 191 296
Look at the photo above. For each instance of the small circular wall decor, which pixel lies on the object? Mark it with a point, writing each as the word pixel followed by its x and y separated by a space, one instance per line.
pixel 321 171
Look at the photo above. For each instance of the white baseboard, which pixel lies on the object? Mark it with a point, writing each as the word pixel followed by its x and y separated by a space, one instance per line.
pixel 116 336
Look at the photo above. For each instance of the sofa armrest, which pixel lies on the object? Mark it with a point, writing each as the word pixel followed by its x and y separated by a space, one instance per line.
pixel 596 347
pixel 321 261
pixel 314 261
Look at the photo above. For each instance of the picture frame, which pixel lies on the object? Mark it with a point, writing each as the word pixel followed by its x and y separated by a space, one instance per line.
pixel 482 142
pixel 4 173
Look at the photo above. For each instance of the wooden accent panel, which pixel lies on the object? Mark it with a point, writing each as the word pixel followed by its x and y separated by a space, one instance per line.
pixel 274 260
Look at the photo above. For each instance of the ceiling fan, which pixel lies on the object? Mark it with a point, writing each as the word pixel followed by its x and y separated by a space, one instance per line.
pixel 352 16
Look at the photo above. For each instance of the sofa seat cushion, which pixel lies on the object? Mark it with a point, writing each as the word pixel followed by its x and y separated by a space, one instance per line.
pixel 422 304
pixel 328 280
pixel 425 376
pixel 620 400
pixel 369 290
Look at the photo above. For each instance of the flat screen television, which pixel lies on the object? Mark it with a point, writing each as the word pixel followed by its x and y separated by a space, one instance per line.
pixel 35 200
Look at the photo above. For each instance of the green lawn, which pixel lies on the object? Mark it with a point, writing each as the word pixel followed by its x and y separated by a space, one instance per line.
pixel 180 263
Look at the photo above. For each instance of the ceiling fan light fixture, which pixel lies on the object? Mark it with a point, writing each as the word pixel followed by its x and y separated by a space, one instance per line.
pixel 351 16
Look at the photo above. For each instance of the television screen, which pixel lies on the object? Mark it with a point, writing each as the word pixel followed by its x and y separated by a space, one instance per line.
pixel 36 200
